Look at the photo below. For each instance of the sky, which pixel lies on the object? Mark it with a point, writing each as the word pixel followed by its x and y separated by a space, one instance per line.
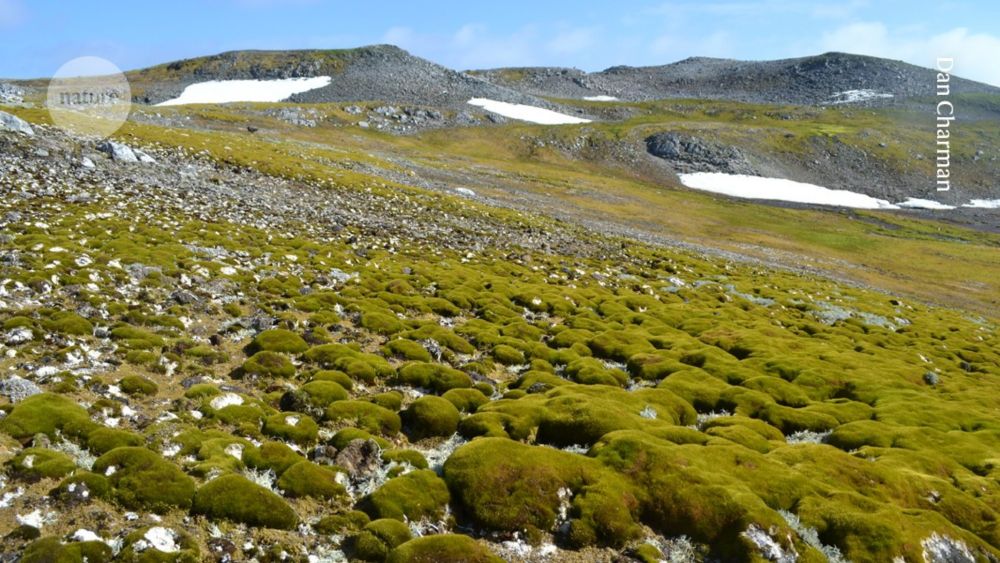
pixel 38 36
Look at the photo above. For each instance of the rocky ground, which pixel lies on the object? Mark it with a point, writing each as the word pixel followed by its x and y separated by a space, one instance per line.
pixel 818 80
pixel 201 361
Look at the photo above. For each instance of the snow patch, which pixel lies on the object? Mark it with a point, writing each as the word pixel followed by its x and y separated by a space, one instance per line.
pixel 917 203
pixel 855 96
pixel 755 187
pixel 526 113
pixel 601 98
pixel 225 91
pixel 984 203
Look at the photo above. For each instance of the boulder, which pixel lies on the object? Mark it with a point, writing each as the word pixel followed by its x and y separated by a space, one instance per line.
pixel 10 122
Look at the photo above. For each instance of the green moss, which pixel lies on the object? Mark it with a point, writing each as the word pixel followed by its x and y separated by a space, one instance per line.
pixel 313 397
pixel 381 322
pixel 47 413
pixel 338 377
pixel 142 480
pixel 201 391
pixel 358 365
pixel 306 479
pixel 364 415
pixel 407 350
pixel 68 322
pixel 137 385
pixel 412 496
pixel 298 428
pixel 508 355
pixel 275 456
pixel 342 524
pixel 392 400
pixel 103 440
pixel 411 457
pixel 505 486
pixel 437 377
pixel 18 322
pixel 97 485
pixel 442 548
pixel 40 463
pixel 268 365
pixel 52 550
pixel 377 539
pixel 347 435
pixel 278 340
pixel 466 400
pixel 430 416
pixel 233 497
pixel 136 338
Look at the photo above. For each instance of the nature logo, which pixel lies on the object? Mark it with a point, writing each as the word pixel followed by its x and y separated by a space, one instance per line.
pixel 89 96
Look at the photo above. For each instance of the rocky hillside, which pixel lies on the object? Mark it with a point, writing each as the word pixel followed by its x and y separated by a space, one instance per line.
pixel 829 78
pixel 227 357
pixel 380 72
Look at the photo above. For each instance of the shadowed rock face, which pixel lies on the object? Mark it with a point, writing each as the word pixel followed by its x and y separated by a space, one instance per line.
pixel 691 154
pixel 813 80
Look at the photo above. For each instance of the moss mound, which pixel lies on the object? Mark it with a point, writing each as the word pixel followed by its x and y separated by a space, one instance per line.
pixel 377 539
pixel 142 480
pixel 278 340
pixel 436 377
pixel 365 415
pixel 47 413
pixel 430 416
pixel 443 548
pixel 233 497
pixel 306 479
pixel 32 464
pixel 52 550
pixel 268 365
pixel 137 385
pixel 412 496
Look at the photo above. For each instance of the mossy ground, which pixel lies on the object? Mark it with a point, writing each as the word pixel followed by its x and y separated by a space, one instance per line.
pixel 696 408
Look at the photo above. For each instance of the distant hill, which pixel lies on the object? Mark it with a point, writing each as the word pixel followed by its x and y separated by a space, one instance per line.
pixel 380 72
pixel 821 79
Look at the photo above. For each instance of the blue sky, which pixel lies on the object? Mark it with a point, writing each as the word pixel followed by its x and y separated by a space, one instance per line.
pixel 37 36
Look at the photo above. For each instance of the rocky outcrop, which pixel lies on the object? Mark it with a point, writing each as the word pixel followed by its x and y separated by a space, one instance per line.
pixel 690 154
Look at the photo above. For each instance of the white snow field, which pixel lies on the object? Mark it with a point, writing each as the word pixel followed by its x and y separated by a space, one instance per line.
pixel 984 203
pixel 601 98
pixel 225 91
pixel 917 203
pixel 523 112
pixel 755 187
pixel 854 96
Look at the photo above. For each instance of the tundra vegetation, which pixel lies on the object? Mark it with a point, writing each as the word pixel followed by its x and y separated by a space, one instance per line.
pixel 212 387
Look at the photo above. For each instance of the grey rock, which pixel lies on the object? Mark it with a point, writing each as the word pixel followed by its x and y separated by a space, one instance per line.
pixel 118 151
pixel 687 153
pixel 17 336
pixel 360 458
pixel 18 389
pixel 14 123
pixel 10 94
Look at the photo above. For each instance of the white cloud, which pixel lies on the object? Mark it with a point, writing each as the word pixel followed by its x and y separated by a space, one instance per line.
pixel 974 53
